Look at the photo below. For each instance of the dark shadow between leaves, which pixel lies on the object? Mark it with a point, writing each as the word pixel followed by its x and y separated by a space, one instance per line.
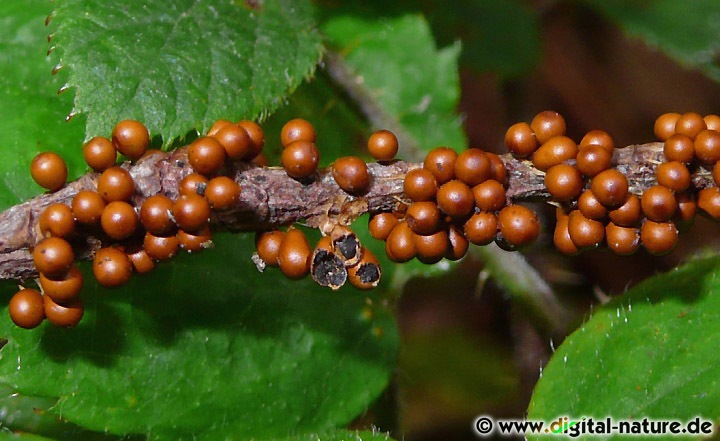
pixel 98 341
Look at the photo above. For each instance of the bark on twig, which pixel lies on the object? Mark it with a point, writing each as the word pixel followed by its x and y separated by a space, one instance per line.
pixel 270 199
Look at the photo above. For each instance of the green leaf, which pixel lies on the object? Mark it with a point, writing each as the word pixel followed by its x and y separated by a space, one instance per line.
pixel 650 353
pixel 34 116
pixel 340 130
pixel 687 31
pixel 28 415
pixel 415 84
pixel 8 436
pixel 457 373
pixel 501 36
pixel 208 348
pixel 180 65
pixel 344 435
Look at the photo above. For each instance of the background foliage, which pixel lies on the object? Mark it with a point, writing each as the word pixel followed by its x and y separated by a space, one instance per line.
pixel 208 348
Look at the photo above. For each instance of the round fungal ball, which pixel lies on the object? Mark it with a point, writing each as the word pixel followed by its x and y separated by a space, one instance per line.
pixel 585 233
pixel 191 212
pixel 131 138
pixel 674 175
pixel 235 140
pixel 53 256
pixel 26 308
pixel 222 193
pixel 257 137
pixel 610 188
pixel 300 159
pixel 716 173
pixel 481 228
pixel 383 145
pixel 57 220
pixel 599 138
pixel 709 201
pixel 116 184
pixel 160 247
pixel 520 140
pixel 687 207
pixel 658 238
pixel 63 289
pixel 217 125
pixel 112 267
pixel 49 170
pixel 628 214
pixel 420 185
pixel 423 217
pixel 459 244
pixel 590 207
pixel 658 203
pixel 400 245
pixel 294 254
pixel 679 148
pixel 712 122
pixel 440 162
pixel 690 124
pixel 547 124
pixel 155 215
pixel 518 225
pixel 193 183
pixel 455 198
pixel 564 182
pixel 196 241
pixel 99 153
pixel 473 167
pixel 206 155
pixel 489 196
pixel 623 241
pixel 141 262
pixel 665 125
pixel 593 159
pixel 87 207
pixel 431 248
pixel 65 315
pixel 267 245
pixel 381 224
pixel 561 235
pixel 351 174
pixel 499 172
pixel 554 151
pixel 297 129
pixel 707 147
pixel 119 220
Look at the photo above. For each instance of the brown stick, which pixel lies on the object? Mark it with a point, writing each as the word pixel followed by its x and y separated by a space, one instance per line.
pixel 270 198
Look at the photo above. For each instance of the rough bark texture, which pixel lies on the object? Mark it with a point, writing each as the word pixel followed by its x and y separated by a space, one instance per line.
pixel 270 198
